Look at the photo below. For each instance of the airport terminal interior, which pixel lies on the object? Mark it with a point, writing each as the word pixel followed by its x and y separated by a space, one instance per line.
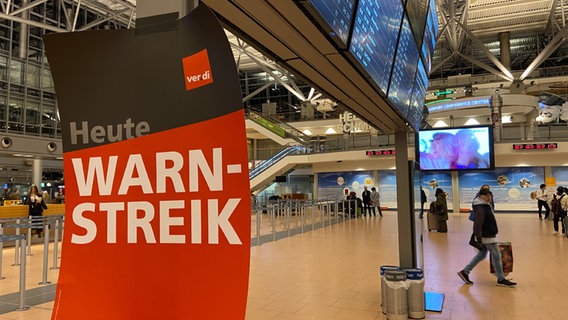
pixel 324 119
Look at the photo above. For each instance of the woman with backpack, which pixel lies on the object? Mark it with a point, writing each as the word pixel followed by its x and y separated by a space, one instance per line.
pixel 559 206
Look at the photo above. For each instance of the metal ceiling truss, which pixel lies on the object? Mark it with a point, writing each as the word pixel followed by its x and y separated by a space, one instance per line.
pixel 461 21
pixel 125 13
pixel 280 75
pixel 525 20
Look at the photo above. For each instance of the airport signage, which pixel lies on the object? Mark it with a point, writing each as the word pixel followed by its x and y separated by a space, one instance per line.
pixel 535 146
pixel 386 152
pixel 157 203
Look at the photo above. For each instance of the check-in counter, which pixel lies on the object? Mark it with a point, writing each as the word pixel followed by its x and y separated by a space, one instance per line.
pixel 21 211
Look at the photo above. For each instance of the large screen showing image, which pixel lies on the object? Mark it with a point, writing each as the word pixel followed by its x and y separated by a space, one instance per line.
pixel 466 148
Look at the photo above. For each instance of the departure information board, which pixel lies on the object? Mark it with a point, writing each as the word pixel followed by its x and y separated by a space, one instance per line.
pixel 402 79
pixel 417 11
pixel 338 15
pixel 430 34
pixel 418 95
pixel 374 38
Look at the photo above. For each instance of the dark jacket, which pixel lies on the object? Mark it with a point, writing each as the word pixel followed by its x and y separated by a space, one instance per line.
pixel 441 206
pixel 484 224
pixel 36 207
pixel 366 195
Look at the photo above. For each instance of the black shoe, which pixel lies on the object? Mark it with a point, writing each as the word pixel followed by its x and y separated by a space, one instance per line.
pixel 506 283
pixel 465 277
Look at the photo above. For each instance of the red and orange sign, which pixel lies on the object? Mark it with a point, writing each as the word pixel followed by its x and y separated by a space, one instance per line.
pixel 157 191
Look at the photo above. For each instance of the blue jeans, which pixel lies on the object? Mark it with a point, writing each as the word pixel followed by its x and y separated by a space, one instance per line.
pixel 493 249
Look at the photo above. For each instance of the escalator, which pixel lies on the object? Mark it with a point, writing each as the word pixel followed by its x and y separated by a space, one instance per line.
pixel 278 131
pixel 278 164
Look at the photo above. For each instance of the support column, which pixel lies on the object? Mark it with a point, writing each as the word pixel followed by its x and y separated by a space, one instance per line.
pixel 531 123
pixel 376 179
pixel 37 169
pixel 505 49
pixel 23 44
pixel 456 197
pixel 496 104
pixel 316 186
pixel 404 203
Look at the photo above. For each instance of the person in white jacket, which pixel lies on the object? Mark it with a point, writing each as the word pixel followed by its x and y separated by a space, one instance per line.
pixel 375 202
pixel 542 198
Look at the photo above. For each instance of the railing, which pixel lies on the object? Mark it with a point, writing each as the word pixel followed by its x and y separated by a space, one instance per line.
pixel 278 127
pixel 275 220
pixel 275 158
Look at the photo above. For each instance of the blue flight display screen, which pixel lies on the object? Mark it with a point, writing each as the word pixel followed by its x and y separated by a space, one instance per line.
pixel 430 34
pixel 417 11
pixel 374 38
pixel 418 96
pixel 338 15
pixel 402 80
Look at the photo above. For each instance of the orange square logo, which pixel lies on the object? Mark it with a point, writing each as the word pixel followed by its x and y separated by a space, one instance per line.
pixel 196 70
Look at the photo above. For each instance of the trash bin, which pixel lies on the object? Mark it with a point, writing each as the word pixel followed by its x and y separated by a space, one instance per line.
pixel 415 281
pixel 397 296
pixel 384 286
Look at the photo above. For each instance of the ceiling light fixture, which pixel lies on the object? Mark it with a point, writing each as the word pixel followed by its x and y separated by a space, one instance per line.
pixel 440 124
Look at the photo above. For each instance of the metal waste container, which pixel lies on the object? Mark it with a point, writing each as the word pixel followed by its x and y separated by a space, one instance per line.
pixel 415 281
pixel 397 296
pixel 384 286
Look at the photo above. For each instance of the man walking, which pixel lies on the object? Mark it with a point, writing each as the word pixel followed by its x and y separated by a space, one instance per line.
pixel 485 230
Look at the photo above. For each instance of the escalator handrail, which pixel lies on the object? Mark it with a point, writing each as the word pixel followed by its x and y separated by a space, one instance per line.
pixel 274 159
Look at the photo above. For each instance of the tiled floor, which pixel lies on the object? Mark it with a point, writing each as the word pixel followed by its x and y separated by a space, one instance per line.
pixel 332 273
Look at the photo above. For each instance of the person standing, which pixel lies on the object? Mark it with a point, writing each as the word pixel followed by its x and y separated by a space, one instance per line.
pixel 441 209
pixel 375 202
pixel 423 200
pixel 542 197
pixel 366 196
pixel 486 230
pixel 559 208
pixel 36 206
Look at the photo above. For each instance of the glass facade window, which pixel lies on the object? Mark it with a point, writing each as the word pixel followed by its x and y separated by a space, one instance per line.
pixel 16 72
pixel 32 117
pixel 27 95
pixel 49 121
pixel 15 115
pixel 33 76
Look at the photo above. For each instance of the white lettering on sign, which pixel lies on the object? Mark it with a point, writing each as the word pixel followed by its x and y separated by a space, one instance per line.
pixel 98 176
pixel 196 78
pixel 140 215
pixel 111 133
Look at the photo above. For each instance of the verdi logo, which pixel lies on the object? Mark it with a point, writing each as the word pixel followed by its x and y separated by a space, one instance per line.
pixel 196 70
